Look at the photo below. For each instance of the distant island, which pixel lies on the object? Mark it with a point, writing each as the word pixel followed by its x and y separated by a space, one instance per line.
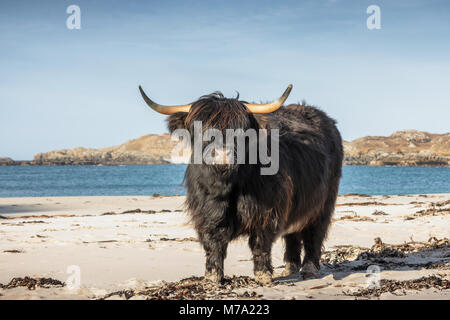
pixel 402 148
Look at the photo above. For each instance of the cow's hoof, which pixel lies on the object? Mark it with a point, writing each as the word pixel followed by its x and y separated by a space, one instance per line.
pixel 309 271
pixel 213 276
pixel 290 268
pixel 263 277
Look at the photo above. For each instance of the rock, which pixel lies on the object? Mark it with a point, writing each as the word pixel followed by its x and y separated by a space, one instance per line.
pixel 149 149
pixel 402 148
pixel 6 161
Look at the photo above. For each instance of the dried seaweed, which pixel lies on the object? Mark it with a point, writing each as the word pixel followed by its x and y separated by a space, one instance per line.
pixel 179 239
pixel 354 217
pixel 379 213
pixel 195 288
pixel 432 281
pixel 32 283
pixel 13 251
pixel 379 252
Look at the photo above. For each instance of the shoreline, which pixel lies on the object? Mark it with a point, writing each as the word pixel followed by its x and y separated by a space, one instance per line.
pixel 29 163
pixel 183 195
pixel 137 242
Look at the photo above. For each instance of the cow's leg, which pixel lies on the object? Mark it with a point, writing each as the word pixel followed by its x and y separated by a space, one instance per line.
pixel 261 246
pixel 215 245
pixel 314 235
pixel 292 259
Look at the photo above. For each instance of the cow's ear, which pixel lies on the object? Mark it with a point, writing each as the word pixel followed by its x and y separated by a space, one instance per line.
pixel 176 121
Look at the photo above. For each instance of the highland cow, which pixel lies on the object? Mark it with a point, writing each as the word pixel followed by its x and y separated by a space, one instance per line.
pixel 226 201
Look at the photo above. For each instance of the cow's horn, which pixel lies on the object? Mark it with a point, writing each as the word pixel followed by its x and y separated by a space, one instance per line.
pixel 164 109
pixel 272 106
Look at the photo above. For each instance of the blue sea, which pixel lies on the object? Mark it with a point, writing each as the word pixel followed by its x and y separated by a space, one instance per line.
pixel 40 181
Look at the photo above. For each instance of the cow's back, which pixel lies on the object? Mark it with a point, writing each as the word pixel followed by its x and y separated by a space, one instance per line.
pixel 311 157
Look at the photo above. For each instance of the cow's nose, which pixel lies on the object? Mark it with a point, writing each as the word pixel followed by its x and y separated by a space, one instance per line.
pixel 222 156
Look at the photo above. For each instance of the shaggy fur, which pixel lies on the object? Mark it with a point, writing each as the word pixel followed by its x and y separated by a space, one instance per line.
pixel 228 201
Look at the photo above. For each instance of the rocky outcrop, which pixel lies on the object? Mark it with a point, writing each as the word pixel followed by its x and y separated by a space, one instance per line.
pixel 402 148
pixel 6 161
pixel 149 149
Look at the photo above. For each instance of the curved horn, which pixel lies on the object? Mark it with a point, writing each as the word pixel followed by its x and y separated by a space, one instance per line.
pixel 164 109
pixel 272 106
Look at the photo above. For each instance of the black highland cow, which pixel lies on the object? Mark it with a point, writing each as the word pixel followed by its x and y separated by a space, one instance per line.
pixel 228 201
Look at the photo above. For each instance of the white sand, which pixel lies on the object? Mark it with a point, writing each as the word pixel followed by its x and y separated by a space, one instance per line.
pixel 125 251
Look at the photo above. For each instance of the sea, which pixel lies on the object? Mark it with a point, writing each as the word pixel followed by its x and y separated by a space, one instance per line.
pixel 49 181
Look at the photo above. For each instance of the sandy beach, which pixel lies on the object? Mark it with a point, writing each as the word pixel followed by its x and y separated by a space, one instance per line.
pixel 143 247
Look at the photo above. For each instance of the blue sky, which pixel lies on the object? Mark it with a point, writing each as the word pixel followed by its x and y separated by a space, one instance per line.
pixel 62 88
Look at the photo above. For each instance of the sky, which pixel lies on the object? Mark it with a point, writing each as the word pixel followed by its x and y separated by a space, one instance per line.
pixel 63 88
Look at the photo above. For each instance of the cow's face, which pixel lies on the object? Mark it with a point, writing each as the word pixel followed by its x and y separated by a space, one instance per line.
pixel 213 115
pixel 212 123
pixel 217 112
